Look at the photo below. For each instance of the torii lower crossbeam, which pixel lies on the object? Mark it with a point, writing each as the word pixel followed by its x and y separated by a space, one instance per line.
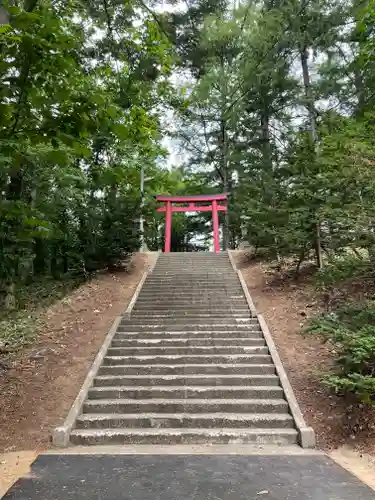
pixel 192 204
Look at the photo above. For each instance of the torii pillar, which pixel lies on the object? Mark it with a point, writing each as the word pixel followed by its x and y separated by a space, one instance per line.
pixel 208 203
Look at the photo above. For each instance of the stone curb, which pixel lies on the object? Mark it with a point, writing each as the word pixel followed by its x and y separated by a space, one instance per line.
pixel 249 300
pixel 306 434
pixel 61 434
pixel 129 309
pixel 131 305
pixel 151 268
pixel 232 260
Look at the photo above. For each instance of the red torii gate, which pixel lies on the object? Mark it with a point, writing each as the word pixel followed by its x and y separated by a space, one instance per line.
pixel 189 204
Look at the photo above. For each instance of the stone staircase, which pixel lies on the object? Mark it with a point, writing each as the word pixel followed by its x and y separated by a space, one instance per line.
pixel 190 365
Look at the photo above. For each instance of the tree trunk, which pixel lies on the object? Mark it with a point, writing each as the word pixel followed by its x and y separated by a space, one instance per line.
pixel 54 263
pixel 224 152
pixel 308 93
pixel 360 91
pixel 10 296
pixel 265 137
pixel 300 260
pixel 30 5
pixel 224 146
pixel 318 247
pixel 39 261
pixel 314 135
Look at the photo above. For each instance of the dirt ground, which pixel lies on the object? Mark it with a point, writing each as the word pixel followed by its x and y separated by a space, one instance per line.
pixel 286 305
pixel 38 390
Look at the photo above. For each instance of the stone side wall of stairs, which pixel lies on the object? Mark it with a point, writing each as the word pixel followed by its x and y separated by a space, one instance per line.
pixel 191 365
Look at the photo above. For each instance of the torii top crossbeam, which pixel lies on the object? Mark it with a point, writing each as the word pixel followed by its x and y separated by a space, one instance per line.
pixel 194 203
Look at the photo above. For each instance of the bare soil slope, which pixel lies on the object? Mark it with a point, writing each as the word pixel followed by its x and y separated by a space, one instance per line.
pixel 286 305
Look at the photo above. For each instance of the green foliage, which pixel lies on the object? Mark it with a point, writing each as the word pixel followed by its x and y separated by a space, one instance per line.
pixel 17 331
pixel 295 153
pixel 79 84
pixel 351 330
pixel 342 268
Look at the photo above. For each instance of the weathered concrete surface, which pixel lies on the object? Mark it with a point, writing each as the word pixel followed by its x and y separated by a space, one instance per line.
pixel 168 477
pixel 191 316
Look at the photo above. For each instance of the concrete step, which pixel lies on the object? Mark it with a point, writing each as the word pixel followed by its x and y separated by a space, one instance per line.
pixel 188 268
pixel 187 350
pixel 163 316
pixel 192 313
pixel 183 436
pixel 193 292
pixel 181 330
pixel 122 341
pixel 135 333
pixel 158 302
pixel 181 380
pixel 199 323
pixel 191 264
pixel 186 392
pixel 180 293
pixel 206 314
pixel 179 271
pixel 197 275
pixel 190 369
pixel 221 297
pixel 227 279
pixel 150 304
pixel 196 290
pixel 199 272
pixel 205 296
pixel 198 359
pixel 201 269
pixel 200 301
pixel 184 258
pixel 203 312
pixel 248 321
pixel 193 300
pixel 205 265
pixel 188 279
pixel 192 288
pixel 181 405
pixel 189 307
pixel 190 323
pixel 218 260
pixel 186 420
pixel 185 328
pixel 176 275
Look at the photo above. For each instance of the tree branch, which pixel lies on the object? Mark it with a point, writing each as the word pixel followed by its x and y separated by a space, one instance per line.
pixel 156 19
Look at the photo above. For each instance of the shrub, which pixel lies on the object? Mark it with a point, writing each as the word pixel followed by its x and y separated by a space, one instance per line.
pixel 351 330
pixel 342 268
